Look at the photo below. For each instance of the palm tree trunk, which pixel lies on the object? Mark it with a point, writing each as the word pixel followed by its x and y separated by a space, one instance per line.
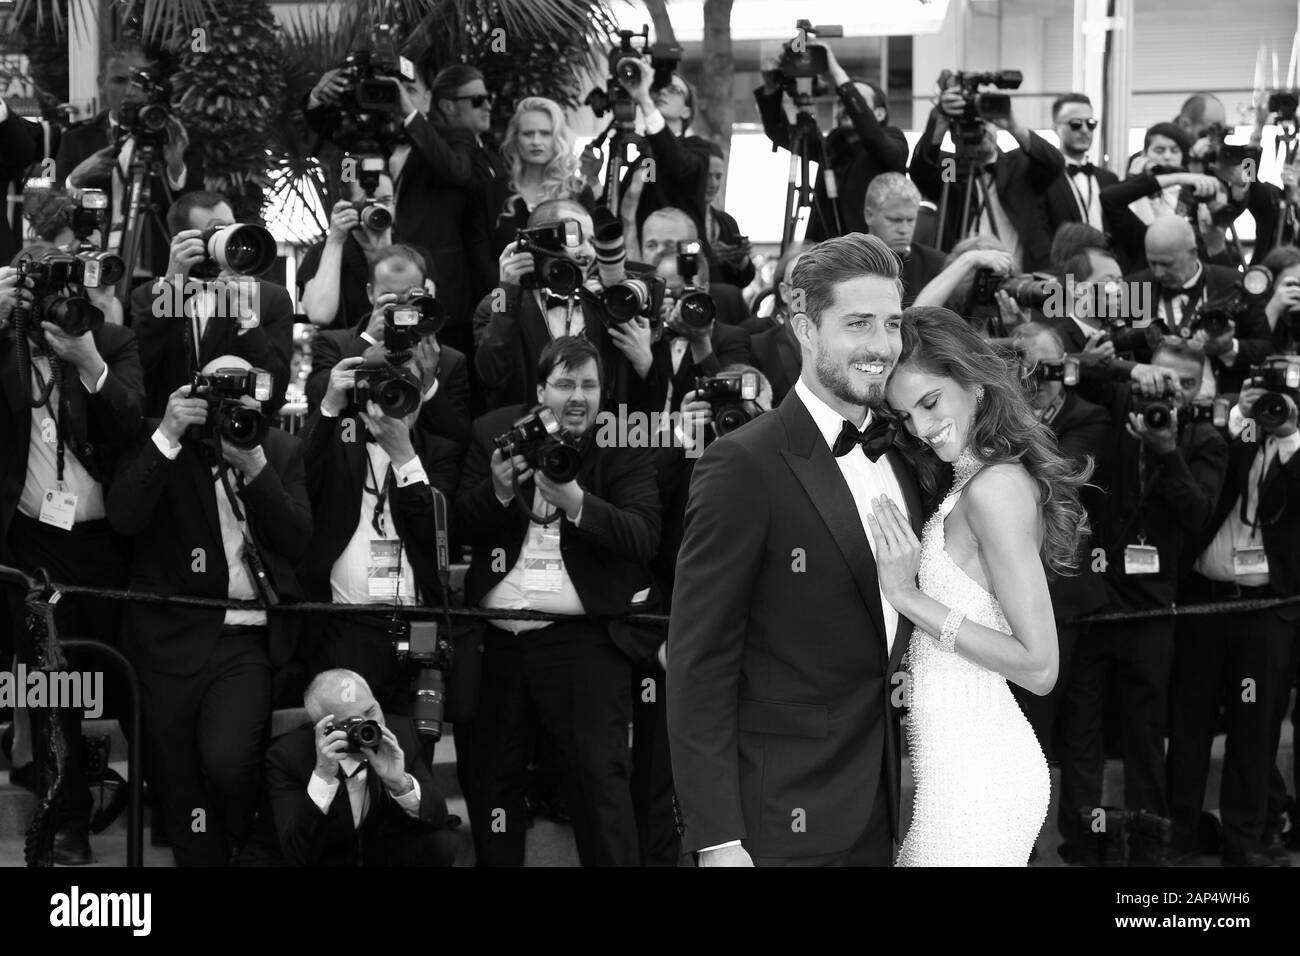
pixel 716 110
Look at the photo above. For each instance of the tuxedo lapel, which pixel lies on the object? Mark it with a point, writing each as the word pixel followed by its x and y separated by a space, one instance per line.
pixel 814 466
pixel 205 487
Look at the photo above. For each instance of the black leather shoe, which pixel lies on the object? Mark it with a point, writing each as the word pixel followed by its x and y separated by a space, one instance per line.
pixel 72 845
pixel 1249 858
pixel 1275 851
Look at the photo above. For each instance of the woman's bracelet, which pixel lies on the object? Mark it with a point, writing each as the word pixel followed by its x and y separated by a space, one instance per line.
pixel 948 634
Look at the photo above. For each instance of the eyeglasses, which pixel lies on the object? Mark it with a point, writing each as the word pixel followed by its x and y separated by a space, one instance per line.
pixel 673 88
pixel 567 386
pixel 476 100
pixel 1078 124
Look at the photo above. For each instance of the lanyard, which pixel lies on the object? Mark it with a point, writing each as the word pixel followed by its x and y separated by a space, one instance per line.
pixel 381 495
pixel 1254 523
pixel 46 392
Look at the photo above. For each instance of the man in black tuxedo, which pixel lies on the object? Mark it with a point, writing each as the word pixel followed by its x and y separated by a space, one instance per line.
pixel 1008 191
pixel 890 209
pixel 93 155
pixel 204 522
pixel 781 649
pixel 443 370
pixel 20 146
pixel 1185 285
pixel 62 452
pixel 176 341
pixel 514 324
pixel 862 146
pixel 1076 196
pixel 1248 550
pixel 372 480
pixel 336 807
pixel 579 547
pixel 729 251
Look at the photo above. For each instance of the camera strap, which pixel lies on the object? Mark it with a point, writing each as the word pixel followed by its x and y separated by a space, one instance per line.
pixel 252 555
pixel 46 392
pixel 1254 523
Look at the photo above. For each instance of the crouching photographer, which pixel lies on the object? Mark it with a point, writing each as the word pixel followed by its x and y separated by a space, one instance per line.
pixel 1166 464
pixel 562 522
pixel 72 392
pixel 217 502
pixel 349 789
pixel 1249 549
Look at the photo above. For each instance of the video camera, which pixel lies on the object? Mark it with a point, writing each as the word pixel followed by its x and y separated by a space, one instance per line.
pixel 627 64
pixel 1279 376
pixel 538 438
pixel 146 111
pixel 798 59
pixel 732 397
pixel 241 248
pixel 696 307
pixel 1029 291
pixel 370 108
pixel 361 733
pixel 969 126
pixel 228 418
pixel 551 268
pixel 1282 105
pixel 417 643
pixel 374 214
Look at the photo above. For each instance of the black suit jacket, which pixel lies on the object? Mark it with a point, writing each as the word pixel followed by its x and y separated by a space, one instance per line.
pixel 1060 205
pixel 857 156
pixel 777 356
pixel 681 176
pixel 21 144
pixel 1082 431
pixel 311 838
pixel 607 557
pixel 779 681
pixel 99 425
pixel 922 264
pixel 1023 177
pixel 160 328
pixel 728 231
pixel 336 462
pixel 170 507
pixel 731 346
pixel 81 141
pixel 446 414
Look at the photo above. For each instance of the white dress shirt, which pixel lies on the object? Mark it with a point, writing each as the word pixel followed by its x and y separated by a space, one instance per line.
pixel 42 464
pixel 322 791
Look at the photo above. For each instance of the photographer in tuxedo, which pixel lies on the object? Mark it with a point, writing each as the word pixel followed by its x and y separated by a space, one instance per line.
pixel 1076 196
pixel 781 647
pixel 263 336
pixel 56 459
pixel 443 371
pixel 579 546
pixel 213 519
pixel 1249 549
pixel 336 803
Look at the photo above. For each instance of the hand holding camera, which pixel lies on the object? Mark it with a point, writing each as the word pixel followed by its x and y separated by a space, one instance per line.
pixel 999 262
pixel 1152 381
pixel 8 291
pixel 633 340
pixel 1286 298
pixel 249 461
pixel 1217 344
pixel 1276 425
pixel 77 350
pixel 1161 440
pixel 343 219
pixel 834 72
pixel 328 89
pixel 375 327
pixel 513 265
pixel 331 746
pixel 182 413
pixel 187 251
pixel 174 150
pixel 566 496
pixel 393 435
pixel 1097 351
pixel 95 168
pixel 343 378
pixel 503 469
pixel 389 762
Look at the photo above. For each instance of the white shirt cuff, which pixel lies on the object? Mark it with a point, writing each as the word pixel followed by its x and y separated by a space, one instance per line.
pixel 1288 446
pixel 411 473
pixel 654 122
pixel 326 413
pixel 169 451
pixel 433 390
pixel 322 791
pixel 505 502
pixel 721 846
pixel 4 110
pixel 369 338
pixel 410 802
pixel 99 382
pixel 577 519
pixel 1236 421
pixel 410 116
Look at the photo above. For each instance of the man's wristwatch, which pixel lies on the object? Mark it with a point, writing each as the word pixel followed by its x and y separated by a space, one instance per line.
pixel 409 786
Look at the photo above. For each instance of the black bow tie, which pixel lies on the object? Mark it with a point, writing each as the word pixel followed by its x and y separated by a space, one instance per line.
pixel 1168 295
pixel 1072 168
pixel 553 300
pixel 875 439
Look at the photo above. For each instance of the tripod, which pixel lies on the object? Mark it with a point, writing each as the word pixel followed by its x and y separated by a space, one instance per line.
pixel 967 166
pixel 145 164
pixel 621 133
pixel 1286 145
pixel 799 192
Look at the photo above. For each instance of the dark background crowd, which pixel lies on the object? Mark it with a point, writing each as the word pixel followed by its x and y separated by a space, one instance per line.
pixel 473 304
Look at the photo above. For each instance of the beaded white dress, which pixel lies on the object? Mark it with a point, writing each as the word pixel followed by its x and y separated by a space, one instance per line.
pixel 982 783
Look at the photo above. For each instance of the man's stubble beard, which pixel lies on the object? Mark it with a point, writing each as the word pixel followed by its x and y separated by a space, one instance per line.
pixel 837 383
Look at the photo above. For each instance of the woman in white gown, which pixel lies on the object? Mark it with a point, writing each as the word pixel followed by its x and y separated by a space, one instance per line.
pixel 981 607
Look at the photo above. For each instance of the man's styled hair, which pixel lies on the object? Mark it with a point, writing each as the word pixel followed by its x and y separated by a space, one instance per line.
pixel 399 253
pixel 1080 264
pixel 449 80
pixel 325 684
pixel 1073 238
pixel 553 210
pixel 826 265
pixel 715 150
pixel 1168 131
pixel 888 188
pixel 1178 349
pixel 568 351
pixel 1066 99
pixel 178 213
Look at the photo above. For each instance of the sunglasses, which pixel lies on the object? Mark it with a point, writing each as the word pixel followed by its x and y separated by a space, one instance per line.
pixel 478 101
pixel 1077 125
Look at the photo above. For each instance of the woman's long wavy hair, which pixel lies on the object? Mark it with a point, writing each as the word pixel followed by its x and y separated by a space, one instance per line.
pixel 937 341
pixel 560 179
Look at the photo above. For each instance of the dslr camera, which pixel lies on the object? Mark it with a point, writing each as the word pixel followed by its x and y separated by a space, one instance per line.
pixel 639 295
pixel 1029 291
pixel 58 281
pixel 374 215
pixel 241 248
pixel 414 316
pixel 361 733
pixel 1279 376
pixel 799 60
pixel 696 307
pixel 228 418
pixel 732 397
pixel 417 644
pixel 969 126
pixel 1213 411
pixel 1065 370
pixel 1213 317
pixel 627 64
pixel 538 438
pixel 551 268
pixel 1257 284
pixel 146 110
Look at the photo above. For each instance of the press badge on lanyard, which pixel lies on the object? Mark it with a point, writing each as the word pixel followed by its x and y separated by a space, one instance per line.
pixel 58 508
pixel 1249 561
pixel 1141 558
pixel 543 566
pixel 384 575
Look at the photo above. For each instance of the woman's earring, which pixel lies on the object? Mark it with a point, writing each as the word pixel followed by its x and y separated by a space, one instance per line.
pixel 979 394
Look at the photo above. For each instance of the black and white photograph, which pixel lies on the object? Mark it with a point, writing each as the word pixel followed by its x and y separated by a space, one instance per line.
pixel 649 434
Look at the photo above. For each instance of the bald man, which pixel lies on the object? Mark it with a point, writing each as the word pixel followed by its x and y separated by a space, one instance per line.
pixel 1183 286
pixel 336 804
pixel 214 520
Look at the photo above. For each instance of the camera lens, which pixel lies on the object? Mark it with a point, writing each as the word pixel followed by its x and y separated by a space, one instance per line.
pixel 560 463
pixel 428 694
pixel 368 734
pixel 730 417
pixel 1271 410
pixel 376 218
pixel 397 397
pixel 1157 415
pixel 242 427
pixel 242 249
pixel 561 276
pixel 698 309
pixel 626 300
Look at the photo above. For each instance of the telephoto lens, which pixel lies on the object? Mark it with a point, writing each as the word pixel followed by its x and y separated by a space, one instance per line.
pixel 428 696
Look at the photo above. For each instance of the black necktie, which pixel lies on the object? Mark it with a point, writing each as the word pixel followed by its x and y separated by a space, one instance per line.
pixel 875 439
pixel 1072 168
